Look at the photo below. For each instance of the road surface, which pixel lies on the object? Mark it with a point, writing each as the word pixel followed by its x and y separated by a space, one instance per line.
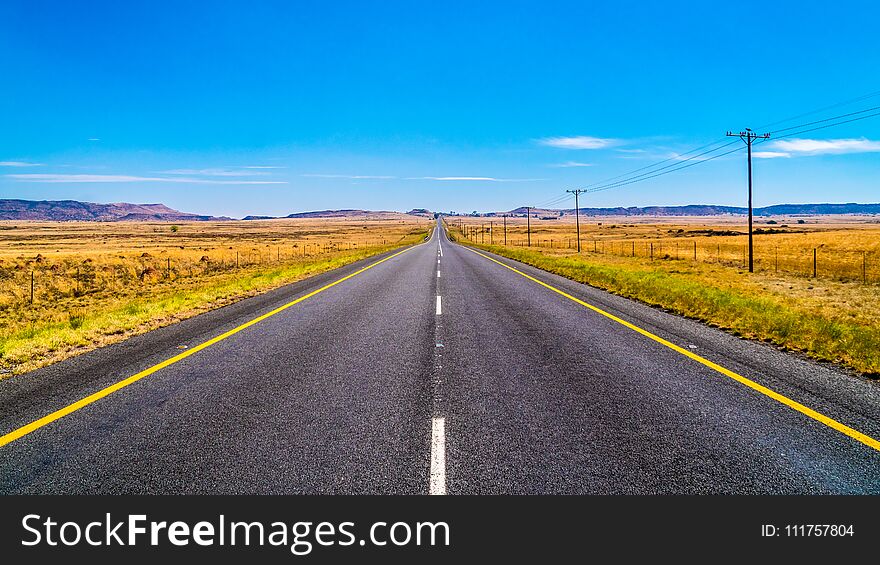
pixel 438 370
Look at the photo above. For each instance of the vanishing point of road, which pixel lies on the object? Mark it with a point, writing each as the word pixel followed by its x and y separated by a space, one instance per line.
pixel 445 370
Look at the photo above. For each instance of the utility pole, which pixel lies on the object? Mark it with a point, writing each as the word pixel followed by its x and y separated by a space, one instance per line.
pixel 505 230
pixel 529 225
pixel 577 220
pixel 491 233
pixel 748 136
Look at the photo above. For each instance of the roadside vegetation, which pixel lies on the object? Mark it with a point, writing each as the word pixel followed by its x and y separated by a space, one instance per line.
pixel 95 284
pixel 832 319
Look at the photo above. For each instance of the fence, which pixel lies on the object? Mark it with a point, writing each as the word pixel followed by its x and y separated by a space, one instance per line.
pixel 813 261
pixel 42 280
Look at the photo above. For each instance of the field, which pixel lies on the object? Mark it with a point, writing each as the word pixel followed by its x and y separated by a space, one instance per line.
pixel 696 267
pixel 69 287
pixel 841 248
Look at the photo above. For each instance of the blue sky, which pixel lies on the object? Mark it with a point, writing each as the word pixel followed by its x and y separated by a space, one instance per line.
pixel 255 107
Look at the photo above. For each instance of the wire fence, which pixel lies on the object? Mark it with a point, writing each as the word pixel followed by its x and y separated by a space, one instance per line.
pixel 47 279
pixel 811 261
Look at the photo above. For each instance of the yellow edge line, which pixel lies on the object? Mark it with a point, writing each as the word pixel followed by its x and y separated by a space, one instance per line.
pixel 794 405
pixel 48 419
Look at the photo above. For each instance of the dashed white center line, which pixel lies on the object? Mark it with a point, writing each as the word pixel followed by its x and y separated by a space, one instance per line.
pixel 438 456
pixel 437 479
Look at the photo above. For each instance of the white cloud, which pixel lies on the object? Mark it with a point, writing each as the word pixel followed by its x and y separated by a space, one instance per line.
pixel 19 164
pixel 386 177
pixel 486 179
pixel 770 154
pixel 826 146
pixel 568 164
pixel 492 179
pixel 578 142
pixel 59 178
pixel 213 172
pixel 324 176
pixel 94 139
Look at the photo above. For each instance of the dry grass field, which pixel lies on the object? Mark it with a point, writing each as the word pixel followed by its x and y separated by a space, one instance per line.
pixel 95 283
pixel 846 248
pixel 834 316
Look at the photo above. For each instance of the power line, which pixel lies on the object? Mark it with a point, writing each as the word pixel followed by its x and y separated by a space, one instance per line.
pixel 666 170
pixel 652 165
pixel 812 112
pixel 691 158
pixel 824 108
pixel 679 165
pixel 827 125
pixel 660 174
pixel 554 197
pixel 553 200
pixel 828 119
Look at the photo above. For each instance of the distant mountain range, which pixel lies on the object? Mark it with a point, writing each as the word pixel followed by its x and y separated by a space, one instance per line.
pixel 73 210
pixel 709 210
pixel 69 210
pixel 348 213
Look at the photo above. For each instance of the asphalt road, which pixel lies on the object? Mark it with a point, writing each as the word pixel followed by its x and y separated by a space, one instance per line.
pixel 500 385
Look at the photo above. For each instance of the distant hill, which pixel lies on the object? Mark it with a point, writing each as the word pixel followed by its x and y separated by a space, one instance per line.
pixel 70 210
pixel 337 214
pixel 421 212
pixel 817 209
pixel 348 213
pixel 710 210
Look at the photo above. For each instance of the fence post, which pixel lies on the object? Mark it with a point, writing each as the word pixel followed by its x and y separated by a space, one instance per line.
pixel 814 262
pixel 695 250
pixel 864 267
pixel 634 248
pixel 32 286
pixel 776 261
pixel 236 259
pixel 652 251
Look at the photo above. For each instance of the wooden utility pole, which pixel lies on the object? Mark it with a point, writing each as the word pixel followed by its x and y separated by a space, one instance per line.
pixel 529 225
pixel 748 136
pixel 577 220
pixel 505 230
